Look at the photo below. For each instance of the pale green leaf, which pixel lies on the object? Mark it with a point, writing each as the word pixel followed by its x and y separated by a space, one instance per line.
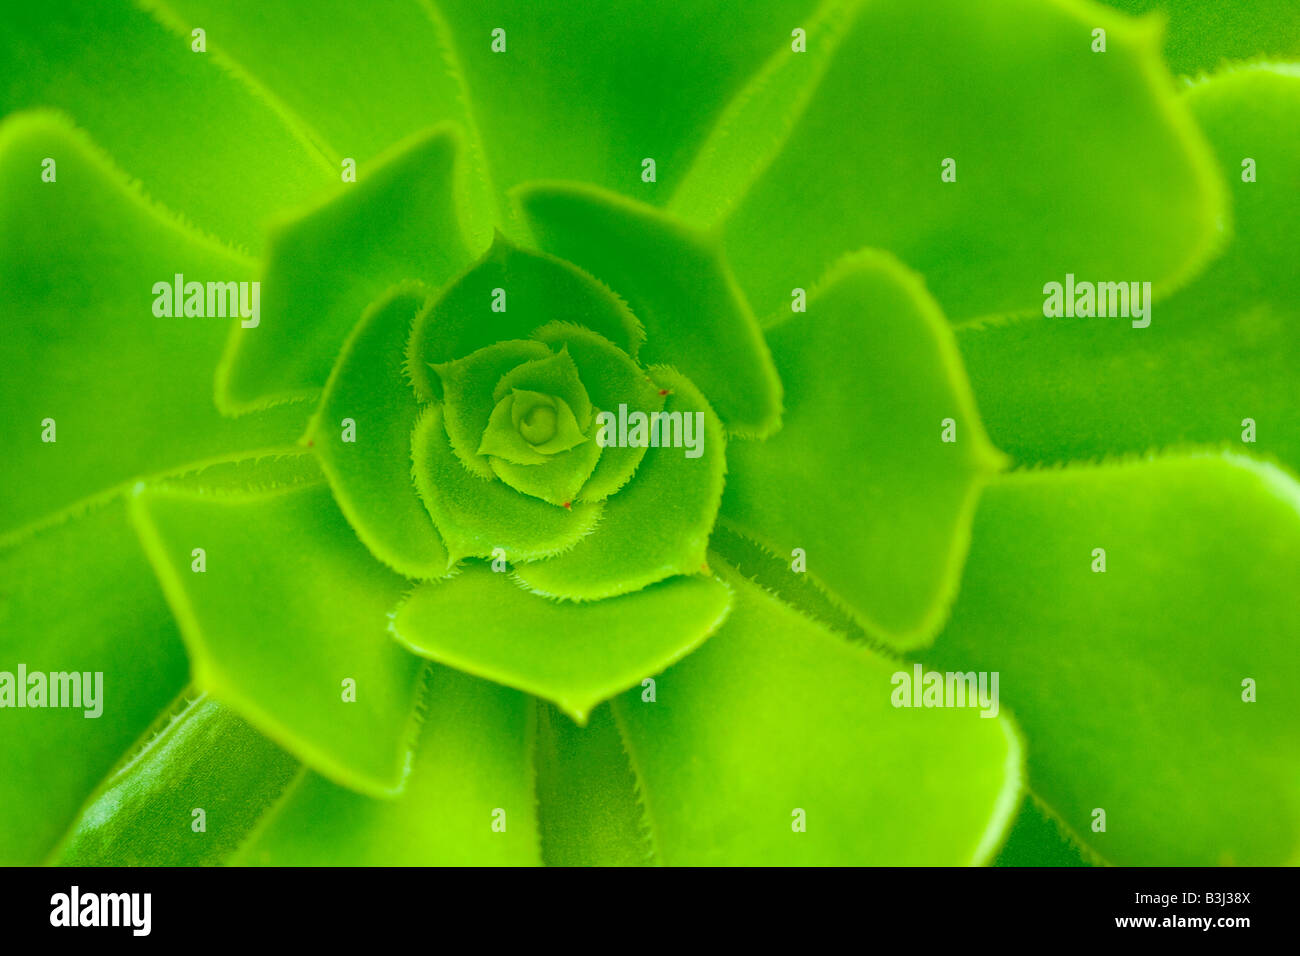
pixel 657 526
pixel 860 478
pixel 371 473
pixel 476 516
pixel 196 138
pixel 1041 130
pixel 507 294
pixel 77 596
pixel 287 623
pixel 1223 350
pixel 325 264
pixel 129 392
pixel 588 809
pixel 573 654
pixel 1130 683
pixel 189 798
pixel 678 284
pixel 472 772
pixel 776 715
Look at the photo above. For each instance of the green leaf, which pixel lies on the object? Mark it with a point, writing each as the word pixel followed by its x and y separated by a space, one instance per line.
pixel 860 477
pixel 575 655
pixel 193 135
pixel 286 622
pixel 77 596
pixel 1130 683
pixel 611 379
pixel 129 392
pixel 1221 351
pixel 327 263
pixel 695 318
pixel 775 714
pixel 858 159
pixel 651 85
pixel 352 78
pixel 371 474
pixel 189 798
pixel 1037 839
pixel 477 516
pixel 657 526
pixel 589 812
pixel 1201 34
pixel 473 764
pixel 507 294
pixel 467 387
pixel 554 468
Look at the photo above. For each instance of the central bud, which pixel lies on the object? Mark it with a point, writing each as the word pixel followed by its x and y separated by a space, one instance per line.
pixel 539 425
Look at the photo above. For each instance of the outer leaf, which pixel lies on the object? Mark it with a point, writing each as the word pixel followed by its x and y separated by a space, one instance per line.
pixel 537 115
pixel 371 476
pixel 206 759
pixel 476 516
pixel 860 477
pixel 75 293
pixel 139 94
pixel 1129 683
pixel 1036 839
pixel 656 527
pixel 77 596
pixel 397 223
pixel 1224 349
pixel 472 767
pixel 695 317
pixel 575 655
pixel 289 599
pixel 776 714
pixel 538 289
pixel 1201 34
pixel 1031 201
pixel 355 77
pixel 588 807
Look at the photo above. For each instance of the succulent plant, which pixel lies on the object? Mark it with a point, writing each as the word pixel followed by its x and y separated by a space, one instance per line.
pixel 448 432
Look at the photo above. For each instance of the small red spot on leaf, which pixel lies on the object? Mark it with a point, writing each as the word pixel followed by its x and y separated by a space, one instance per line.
pixel 663 391
pixel 569 504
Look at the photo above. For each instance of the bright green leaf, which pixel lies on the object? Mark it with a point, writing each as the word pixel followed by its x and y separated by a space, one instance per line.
pixel 1201 34
pixel 77 596
pixel 678 284
pixel 471 773
pixel 1221 352
pixel 657 526
pixel 776 721
pixel 575 655
pixel 611 379
pixel 1065 160
pixel 196 138
pixel 477 516
pixel 129 393
pixel 875 472
pixel 588 809
pixel 507 294
pixel 189 798
pixel 327 263
pixel 287 623
pixel 371 472
pixel 1131 683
